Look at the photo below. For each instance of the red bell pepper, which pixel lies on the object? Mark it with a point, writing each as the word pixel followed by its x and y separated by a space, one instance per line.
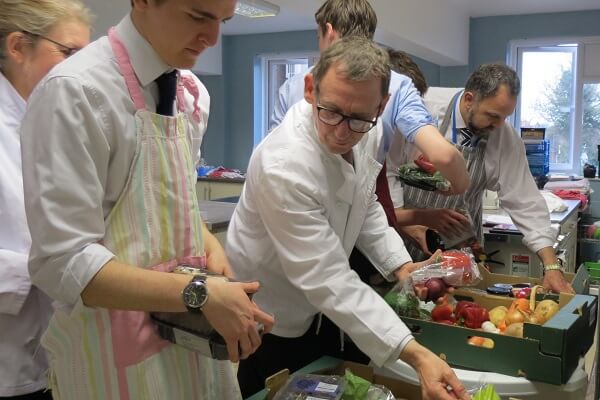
pixel 426 165
pixel 443 313
pixel 473 315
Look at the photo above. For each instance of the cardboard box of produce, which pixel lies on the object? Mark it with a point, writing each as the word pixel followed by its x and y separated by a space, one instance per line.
pixel 334 366
pixel 547 353
pixel 580 280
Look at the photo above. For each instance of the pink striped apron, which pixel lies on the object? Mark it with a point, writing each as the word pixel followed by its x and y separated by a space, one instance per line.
pixel 155 224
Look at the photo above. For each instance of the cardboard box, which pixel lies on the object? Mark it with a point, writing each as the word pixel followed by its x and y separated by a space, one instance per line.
pixel 547 353
pixel 579 280
pixel 334 366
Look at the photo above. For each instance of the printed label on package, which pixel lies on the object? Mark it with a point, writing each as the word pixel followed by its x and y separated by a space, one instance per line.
pixel 519 265
pixel 326 387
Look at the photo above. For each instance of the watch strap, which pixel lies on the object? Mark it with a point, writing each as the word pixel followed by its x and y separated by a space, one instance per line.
pixel 553 267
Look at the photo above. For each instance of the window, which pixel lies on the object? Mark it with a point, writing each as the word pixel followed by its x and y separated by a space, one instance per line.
pixel 560 92
pixel 274 71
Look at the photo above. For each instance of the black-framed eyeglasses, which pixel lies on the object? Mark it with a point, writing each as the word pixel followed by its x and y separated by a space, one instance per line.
pixel 334 118
pixel 65 50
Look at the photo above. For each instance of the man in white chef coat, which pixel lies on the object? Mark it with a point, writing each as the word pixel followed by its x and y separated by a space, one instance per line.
pixel 308 200
pixel 474 119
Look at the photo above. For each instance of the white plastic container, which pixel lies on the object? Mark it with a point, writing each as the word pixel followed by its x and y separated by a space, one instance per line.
pixel 506 386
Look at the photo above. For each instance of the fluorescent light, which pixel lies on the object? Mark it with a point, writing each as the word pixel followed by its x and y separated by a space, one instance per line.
pixel 256 8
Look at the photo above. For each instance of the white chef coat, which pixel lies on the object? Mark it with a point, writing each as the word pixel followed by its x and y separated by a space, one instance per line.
pixel 301 212
pixel 76 169
pixel 24 310
pixel 506 168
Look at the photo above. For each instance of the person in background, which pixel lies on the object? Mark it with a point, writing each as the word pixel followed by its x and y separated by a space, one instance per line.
pixel 403 64
pixel 35 35
pixel 307 201
pixel 109 142
pixel 474 119
pixel 404 115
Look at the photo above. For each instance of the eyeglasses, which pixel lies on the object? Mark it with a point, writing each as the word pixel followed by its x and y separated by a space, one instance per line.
pixel 65 50
pixel 334 118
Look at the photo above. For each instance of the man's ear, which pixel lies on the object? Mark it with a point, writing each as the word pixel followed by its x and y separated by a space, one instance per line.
pixel 309 89
pixel 16 44
pixel 140 4
pixel 331 35
pixel 468 98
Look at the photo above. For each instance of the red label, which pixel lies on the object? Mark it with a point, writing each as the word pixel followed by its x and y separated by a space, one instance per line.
pixel 520 259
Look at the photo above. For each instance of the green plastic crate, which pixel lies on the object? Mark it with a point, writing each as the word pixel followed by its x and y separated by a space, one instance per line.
pixel 593 269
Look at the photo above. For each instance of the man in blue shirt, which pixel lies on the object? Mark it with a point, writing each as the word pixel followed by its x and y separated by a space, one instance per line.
pixel 405 112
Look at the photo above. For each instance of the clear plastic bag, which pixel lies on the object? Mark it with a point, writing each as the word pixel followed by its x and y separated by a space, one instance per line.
pixel 456 268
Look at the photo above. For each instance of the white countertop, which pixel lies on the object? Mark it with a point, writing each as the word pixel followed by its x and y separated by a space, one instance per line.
pixel 555 217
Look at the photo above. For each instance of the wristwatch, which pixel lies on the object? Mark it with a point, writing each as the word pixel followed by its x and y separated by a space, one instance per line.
pixel 553 267
pixel 195 294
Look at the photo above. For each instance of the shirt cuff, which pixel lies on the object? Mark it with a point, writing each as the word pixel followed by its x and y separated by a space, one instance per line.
pixel 393 263
pixel 538 240
pixel 396 353
pixel 81 269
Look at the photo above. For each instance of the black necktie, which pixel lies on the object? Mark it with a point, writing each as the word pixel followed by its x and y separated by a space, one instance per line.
pixel 167 83
pixel 467 138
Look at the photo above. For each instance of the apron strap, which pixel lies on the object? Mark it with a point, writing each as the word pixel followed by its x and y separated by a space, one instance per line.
pixel 187 82
pixel 126 70
pixel 449 111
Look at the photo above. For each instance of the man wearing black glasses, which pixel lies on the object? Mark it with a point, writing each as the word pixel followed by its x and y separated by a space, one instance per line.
pixel 308 200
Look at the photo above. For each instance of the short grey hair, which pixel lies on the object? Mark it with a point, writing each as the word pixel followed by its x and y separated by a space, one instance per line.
pixel 37 17
pixel 358 59
pixel 485 81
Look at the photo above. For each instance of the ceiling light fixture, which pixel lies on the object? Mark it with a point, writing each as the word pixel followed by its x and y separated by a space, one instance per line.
pixel 256 8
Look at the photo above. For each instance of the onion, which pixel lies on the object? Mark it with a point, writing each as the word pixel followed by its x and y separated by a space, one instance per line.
pixel 514 316
pixel 436 288
pixel 515 330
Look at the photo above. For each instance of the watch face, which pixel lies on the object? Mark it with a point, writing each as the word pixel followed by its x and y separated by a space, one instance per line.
pixel 195 294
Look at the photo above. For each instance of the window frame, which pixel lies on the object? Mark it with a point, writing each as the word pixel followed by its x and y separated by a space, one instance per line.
pixel 262 115
pixel 514 60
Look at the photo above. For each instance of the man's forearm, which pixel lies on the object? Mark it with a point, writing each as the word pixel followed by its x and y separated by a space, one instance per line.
pixel 444 156
pixel 411 216
pixel 124 287
pixel 547 256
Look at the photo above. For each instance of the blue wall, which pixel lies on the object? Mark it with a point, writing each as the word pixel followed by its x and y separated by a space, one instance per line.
pixel 229 139
pixel 490 36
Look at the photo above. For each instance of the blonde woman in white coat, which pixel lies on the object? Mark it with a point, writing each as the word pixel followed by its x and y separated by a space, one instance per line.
pixel 35 35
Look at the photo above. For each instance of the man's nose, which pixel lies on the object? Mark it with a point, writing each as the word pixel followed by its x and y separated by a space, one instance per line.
pixel 210 36
pixel 342 131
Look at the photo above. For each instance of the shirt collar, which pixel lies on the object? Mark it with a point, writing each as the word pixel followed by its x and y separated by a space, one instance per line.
pixel 145 61
pixel 460 122
pixel 16 104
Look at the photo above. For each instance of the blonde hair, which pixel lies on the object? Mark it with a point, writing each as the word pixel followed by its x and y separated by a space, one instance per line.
pixel 38 17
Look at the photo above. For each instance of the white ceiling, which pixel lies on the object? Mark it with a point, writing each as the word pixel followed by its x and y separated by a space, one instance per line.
pixel 485 8
pixel 292 17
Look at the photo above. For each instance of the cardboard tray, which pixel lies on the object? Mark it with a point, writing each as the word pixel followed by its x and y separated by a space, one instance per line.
pixel 547 353
pixel 333 366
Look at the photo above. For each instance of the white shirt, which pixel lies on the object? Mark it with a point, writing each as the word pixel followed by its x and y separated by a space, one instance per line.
pixel 507 172
pixel 24 310
pixel 301 212
pixel 78 141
